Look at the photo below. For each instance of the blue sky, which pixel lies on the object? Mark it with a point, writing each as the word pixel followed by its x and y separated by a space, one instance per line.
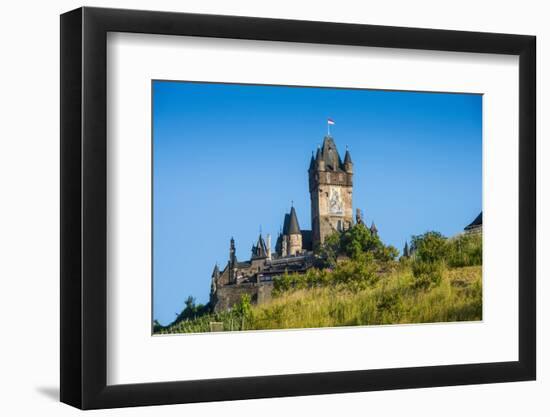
pixel 228 159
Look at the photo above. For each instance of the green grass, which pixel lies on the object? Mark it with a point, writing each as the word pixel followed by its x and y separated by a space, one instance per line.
pixel 393 299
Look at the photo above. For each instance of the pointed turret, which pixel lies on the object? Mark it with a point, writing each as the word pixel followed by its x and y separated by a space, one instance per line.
pixel 291 237
pixel 232 261
pixel 293 226
pixel 214 283
pixel 373 229
pixel 232 252
pixel 347 158
pixel 260 249
pixel 348 165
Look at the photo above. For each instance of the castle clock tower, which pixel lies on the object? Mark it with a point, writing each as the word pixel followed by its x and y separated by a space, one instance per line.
pixel 330 188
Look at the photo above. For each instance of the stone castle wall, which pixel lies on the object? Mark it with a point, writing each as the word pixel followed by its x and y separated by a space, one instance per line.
pixel 229 295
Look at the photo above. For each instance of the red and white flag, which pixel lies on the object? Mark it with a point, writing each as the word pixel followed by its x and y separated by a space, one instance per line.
pixel 331 122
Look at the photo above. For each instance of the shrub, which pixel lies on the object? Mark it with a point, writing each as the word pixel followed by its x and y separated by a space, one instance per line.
pixel 430 247
pixel 357 273
pixel 243 310
pixel 282 283
pixel 427 274
pixel 392 299
pixel 354 274
pixel 389 300
pixel 465 250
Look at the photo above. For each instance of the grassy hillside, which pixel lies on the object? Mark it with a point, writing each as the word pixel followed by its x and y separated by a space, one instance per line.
pixel 394 298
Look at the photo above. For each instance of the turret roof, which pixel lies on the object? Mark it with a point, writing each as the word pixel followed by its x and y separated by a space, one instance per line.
pixel 373 227
pixel 293 226
pixel 347 158
pixel 329 154
pixel 478 221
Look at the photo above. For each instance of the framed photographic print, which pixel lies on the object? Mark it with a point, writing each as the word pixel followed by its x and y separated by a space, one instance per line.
pixel 256 208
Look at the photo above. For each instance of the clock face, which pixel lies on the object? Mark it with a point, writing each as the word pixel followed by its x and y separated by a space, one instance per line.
pixel 335 204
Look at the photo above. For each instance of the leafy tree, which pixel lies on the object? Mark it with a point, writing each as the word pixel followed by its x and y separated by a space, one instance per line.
pixel 430 247
pixel 358 239
pixel 330 249
pixel 353 243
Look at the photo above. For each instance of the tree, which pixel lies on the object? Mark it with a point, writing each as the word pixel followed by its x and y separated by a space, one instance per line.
pixel 157 327
pixel 355 242
pixel 430 251
pixel 430 247
pixel 330 249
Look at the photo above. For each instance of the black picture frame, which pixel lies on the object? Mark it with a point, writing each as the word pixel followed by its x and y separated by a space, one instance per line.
pixel 84 207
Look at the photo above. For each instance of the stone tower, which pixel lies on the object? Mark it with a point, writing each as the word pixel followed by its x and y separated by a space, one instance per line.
pixel 330 188
pixel 290 242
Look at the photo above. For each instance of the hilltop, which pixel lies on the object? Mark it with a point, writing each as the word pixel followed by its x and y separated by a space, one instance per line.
pixel 440 282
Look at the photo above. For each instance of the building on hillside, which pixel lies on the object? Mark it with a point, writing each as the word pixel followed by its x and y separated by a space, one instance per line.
pixel 331 192
pixel 476 227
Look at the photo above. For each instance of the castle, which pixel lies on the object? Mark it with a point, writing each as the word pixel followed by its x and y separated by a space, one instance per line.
pixel 331 191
